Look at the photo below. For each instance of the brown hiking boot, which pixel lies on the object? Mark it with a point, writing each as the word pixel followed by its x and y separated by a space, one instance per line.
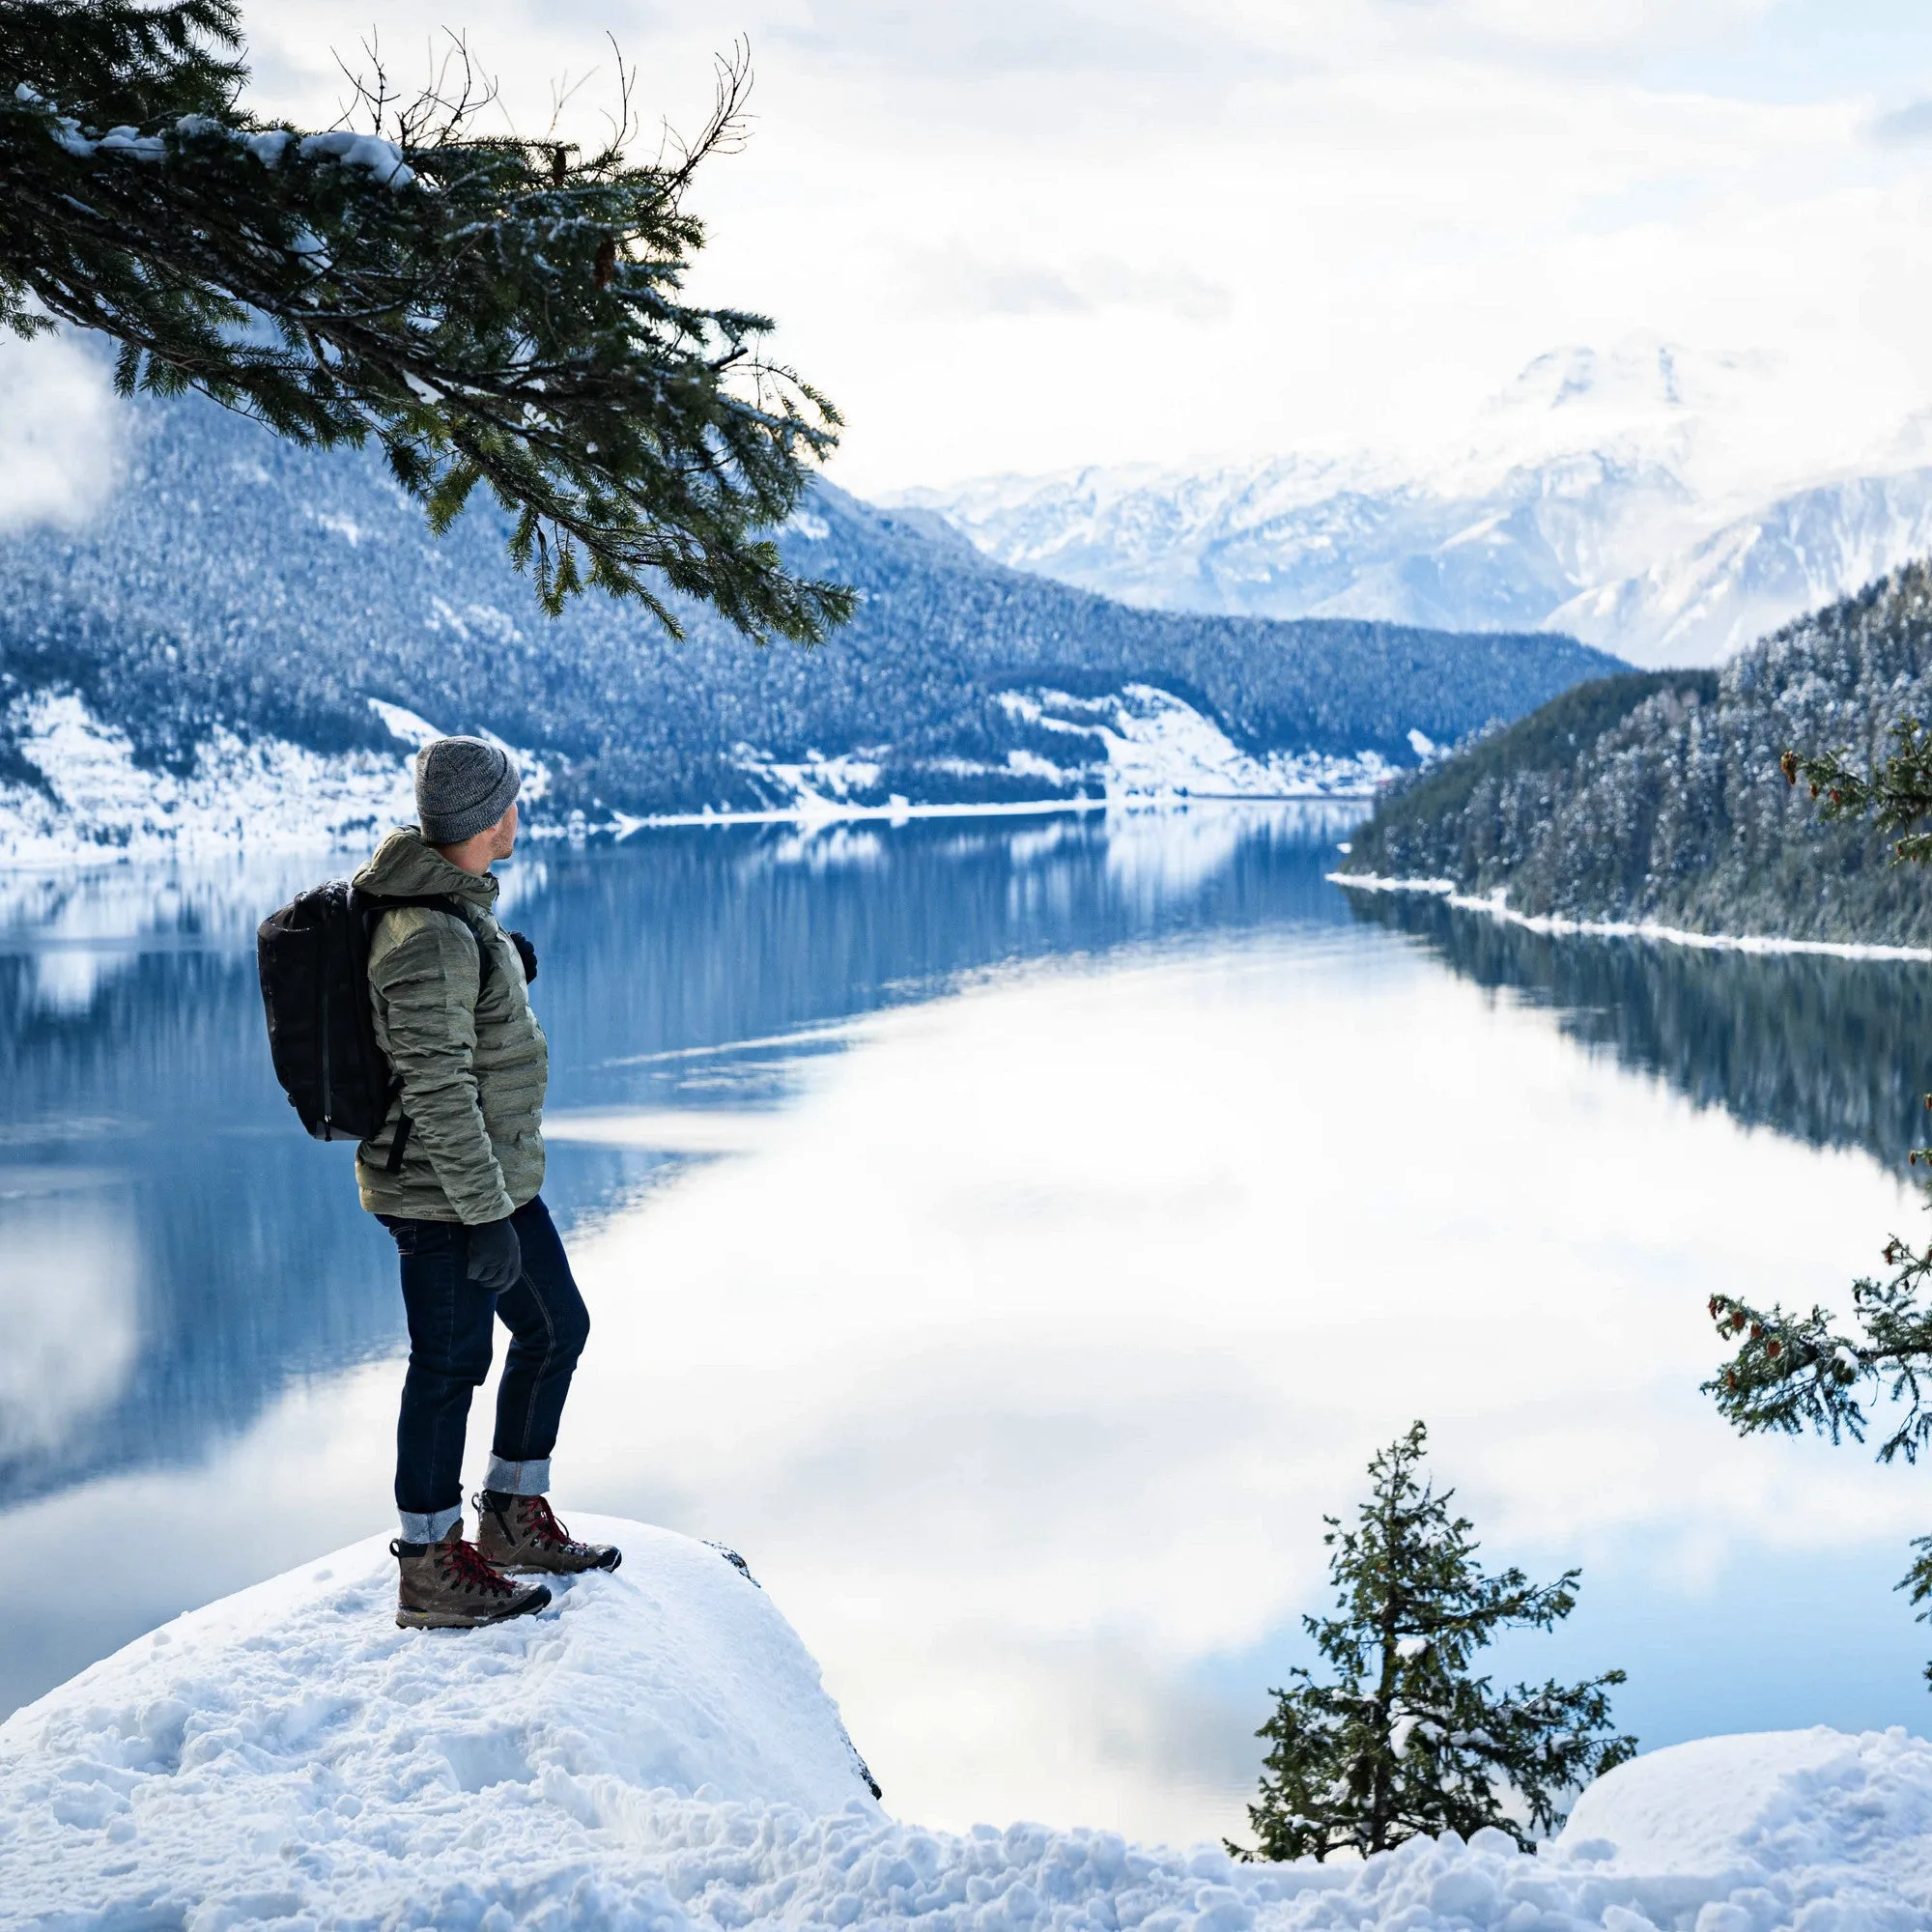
pixel 450 1586
pixel 520 1535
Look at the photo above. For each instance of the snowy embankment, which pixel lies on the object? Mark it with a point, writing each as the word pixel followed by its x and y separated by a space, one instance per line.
pixel 656 1751
pixel 93 800
pixel 1497 906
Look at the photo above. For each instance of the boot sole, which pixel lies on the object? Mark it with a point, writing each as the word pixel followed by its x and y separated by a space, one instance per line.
pixel 457 1620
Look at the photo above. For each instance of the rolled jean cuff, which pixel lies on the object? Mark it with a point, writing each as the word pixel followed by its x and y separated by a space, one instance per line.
pixel 517 1479
pixel 431 1529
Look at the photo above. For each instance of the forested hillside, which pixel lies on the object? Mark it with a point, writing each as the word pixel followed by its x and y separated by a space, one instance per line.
pixel 236 579
pixel 1659 797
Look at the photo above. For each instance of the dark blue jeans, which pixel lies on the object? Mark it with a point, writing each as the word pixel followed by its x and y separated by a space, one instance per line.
pixel 452 1327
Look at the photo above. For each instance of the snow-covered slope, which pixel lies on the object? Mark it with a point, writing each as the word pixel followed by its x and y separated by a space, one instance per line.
pixel 289 1748
pixel 262 794
pixel 656 1751
pixel 94 798
pixel 239 592
pixel 1639 499
pixel 1703 601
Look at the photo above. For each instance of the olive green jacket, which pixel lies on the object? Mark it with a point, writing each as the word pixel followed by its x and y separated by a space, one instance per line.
pixel 470 1070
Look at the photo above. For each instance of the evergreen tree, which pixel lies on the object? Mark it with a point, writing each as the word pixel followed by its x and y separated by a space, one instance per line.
pixel 493 310
pixel 1406 1740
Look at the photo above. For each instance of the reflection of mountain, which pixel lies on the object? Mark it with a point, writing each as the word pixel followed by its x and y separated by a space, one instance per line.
pixel 1831 1052
pixel 217 1257
pixel 156 1087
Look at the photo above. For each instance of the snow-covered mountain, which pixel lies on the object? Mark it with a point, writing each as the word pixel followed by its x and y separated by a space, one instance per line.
pixel 244 640
pixel 1647 500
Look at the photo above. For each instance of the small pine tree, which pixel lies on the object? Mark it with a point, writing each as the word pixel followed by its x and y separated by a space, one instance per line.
pixel 1406 1741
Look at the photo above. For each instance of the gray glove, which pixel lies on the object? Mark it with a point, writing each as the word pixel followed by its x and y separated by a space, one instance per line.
pixel 496 1257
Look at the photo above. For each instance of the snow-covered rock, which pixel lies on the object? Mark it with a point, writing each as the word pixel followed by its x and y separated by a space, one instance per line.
pixel 656 1751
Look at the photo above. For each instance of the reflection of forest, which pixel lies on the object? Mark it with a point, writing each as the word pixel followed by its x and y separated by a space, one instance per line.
pixel 1832 1052
pixel 135 1090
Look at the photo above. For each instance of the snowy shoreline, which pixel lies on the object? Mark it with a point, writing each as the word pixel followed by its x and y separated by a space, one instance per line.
pixel 813 811
pixel 52 855
pixel 1497 906
pixel 266 796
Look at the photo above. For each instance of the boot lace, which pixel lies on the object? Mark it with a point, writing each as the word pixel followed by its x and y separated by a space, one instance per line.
pixel 469 1566
pixel 544 1526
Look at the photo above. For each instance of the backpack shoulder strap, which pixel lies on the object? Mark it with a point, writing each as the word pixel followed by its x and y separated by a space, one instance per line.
pixel 373 907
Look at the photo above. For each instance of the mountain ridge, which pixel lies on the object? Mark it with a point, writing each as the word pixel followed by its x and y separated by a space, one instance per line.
pixel 1658 800
pixel 1630 499
pixel 239 585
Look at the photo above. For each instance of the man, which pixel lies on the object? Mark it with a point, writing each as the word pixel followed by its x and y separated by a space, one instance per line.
pixel 453 1174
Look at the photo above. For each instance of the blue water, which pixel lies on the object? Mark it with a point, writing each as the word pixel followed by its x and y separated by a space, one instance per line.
pixel 1047 1514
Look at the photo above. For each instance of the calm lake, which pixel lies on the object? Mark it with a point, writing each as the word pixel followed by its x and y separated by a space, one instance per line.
pixel 1012 1235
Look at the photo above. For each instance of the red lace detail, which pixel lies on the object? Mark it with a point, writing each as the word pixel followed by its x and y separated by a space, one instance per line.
pixel 542 1525
pixel 468 1565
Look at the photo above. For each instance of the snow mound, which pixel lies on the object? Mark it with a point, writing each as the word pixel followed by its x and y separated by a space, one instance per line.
pixel 655 1750
pixel 1801 1811
pixel 291 1742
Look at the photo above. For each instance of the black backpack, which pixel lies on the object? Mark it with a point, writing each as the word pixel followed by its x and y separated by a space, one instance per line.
pixel 313 956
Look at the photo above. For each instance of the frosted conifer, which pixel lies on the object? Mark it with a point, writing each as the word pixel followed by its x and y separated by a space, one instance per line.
pixel 493 310
pixel 1406 1740
pixel 1792 1369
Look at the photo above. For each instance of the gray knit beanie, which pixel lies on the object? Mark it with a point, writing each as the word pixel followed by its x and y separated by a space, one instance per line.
pixel 462 786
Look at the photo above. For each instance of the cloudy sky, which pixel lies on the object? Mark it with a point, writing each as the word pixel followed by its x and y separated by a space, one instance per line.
pixel 1015 235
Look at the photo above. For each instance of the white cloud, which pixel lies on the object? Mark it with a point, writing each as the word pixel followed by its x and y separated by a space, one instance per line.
pixel 957 281
pixel 60 433
pixel 1012 236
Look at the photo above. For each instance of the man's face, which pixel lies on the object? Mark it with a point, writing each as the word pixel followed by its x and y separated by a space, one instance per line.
pixel 503 833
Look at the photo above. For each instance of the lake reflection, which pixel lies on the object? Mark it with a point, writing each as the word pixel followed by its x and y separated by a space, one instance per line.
pixel 1013 1235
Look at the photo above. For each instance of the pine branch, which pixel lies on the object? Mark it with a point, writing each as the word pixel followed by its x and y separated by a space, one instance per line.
pixel 1895 794
pixel 492 311
pixel 1791 1372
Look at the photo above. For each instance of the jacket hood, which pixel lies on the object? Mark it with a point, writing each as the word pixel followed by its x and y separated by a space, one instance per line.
pixel 405 867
